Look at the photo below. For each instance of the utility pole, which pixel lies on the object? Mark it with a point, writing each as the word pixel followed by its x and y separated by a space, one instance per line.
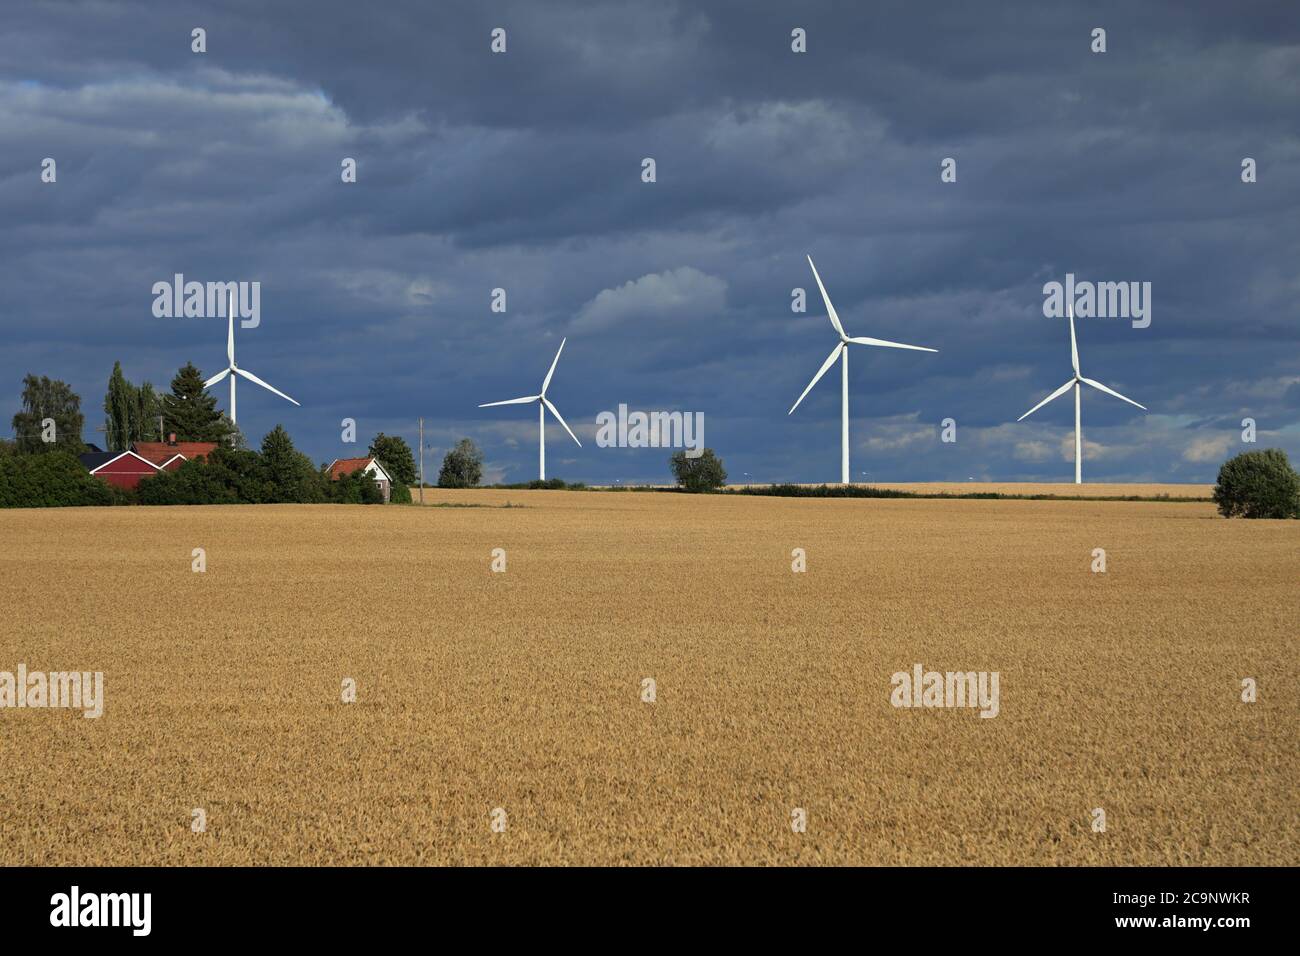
pixel 421 461
pixel 160 429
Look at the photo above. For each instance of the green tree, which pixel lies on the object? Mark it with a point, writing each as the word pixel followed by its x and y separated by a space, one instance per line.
pixel 49 398
pixel 191 412
pixel 119 406
pixel 132 412
pixel 704 473
pixel 1258 484
pixel 462 467
pixel 395 455
pixel 148 408
pixel 290 473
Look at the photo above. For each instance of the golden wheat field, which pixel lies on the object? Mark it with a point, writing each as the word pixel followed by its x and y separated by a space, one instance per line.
pixel 522 690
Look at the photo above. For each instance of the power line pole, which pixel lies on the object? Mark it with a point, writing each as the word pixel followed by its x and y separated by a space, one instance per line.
pixel 421 461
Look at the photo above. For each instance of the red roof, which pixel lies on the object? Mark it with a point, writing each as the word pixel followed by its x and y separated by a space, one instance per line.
pixel 159 452
pixel 346 466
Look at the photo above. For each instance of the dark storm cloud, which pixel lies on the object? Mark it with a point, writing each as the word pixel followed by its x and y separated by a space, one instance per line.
pixel 522 171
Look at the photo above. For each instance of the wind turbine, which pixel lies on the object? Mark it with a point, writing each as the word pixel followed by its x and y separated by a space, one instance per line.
pixel 543 403
pixel 232 367
pixel 841 352
pixel 1077 383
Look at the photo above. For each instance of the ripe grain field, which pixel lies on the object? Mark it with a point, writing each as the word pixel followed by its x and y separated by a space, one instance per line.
pixel 521 690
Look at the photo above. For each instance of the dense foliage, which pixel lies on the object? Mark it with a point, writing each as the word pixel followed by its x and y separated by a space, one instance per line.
pixel 49 399
pixel 463 466
pixel 395 456
pixel 132 412
pixel 190 412
pixel 704 473
pixel 1258 484
pixel 278 474
pixel 52 480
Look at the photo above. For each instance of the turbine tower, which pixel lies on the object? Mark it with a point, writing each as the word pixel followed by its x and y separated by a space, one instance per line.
pixel 1077 384
pixel 841 352
pixel 235 369
pixel 543 404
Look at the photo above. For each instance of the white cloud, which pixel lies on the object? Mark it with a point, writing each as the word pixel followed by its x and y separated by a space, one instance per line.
pixel 1034 450
pixel 684 292
pixel 1091 449
pixel 1210 448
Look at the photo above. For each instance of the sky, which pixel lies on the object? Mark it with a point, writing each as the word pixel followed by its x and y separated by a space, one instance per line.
pixel 523 171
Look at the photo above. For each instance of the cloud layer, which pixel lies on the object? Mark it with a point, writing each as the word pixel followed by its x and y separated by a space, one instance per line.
pixel 522 171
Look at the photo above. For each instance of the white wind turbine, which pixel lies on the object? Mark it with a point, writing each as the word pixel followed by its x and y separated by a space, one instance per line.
pixel 232 367
pixel 1077 383
pixel 543 403
pixel 841 352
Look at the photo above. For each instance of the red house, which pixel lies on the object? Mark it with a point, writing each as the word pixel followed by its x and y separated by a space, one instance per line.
pixel 126 468
pixel 122 468
pixel 346 466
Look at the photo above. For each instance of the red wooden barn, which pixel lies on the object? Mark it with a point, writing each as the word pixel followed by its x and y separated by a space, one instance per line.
pixel 122 468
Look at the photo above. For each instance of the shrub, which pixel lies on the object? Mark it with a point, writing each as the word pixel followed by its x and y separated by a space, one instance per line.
pixel 704 473
pixel 357 488
pixel 52 480
pixel 554 484
pixel 463 466
pixel 400 494
pixel 225 477
pixel 1258 484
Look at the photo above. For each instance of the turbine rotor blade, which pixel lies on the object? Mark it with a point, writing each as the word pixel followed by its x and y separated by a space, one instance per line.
pixel 835 353
pixel 270 388
pixel 830 309
pixel 865 340
pixel 1110 391
pixel 512 401
pixel 554 363
pixel 1074 344
pixel 1056 394
pixel 216 378
pixel 556 412
pixel 230 333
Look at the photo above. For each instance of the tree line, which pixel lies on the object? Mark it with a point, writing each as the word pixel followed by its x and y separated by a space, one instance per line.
pixel 39 468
